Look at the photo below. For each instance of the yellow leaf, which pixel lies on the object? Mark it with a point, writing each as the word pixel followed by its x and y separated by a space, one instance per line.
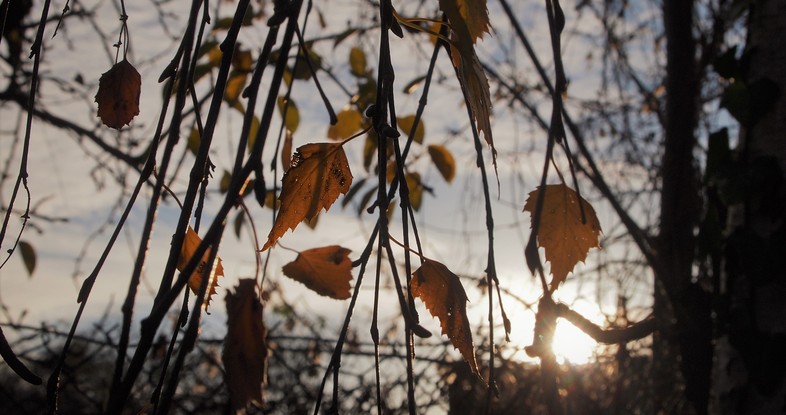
pixel 242 60
pixel 245 346
pixel 118 95
pixel 235 84
pixel 415 190
pixel 226 180
pixel 252 133
pixel 562 234
pixel 326 271
pixel 292 119
pixel 357 62
pixel 443 160
pixel 194 140
pixel 349 122
pixel 444 296
pixel 190 244
pixel 405 125
pixel 286 151
pixel 319 172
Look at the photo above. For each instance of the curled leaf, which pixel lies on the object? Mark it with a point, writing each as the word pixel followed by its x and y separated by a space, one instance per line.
pixel 563 235
pixel 326 271
pixel 190 244
pixel 468 21
pixel 245 347
pixel 319 172
pixel 444 296
pixel 118 95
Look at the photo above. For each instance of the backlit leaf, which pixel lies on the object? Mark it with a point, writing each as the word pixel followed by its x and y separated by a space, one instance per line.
pixel 28 256
pixel 405 125
pixel 319 172
pixel 349 122
pixel 475 15
pixel 190 244
pixel 292 118
pixel 326 271
pixel 444 296
pixel 444 161
pixel 468 20
pixel 357 62
pixel 118 95
pixel 245 346
pixel 562 234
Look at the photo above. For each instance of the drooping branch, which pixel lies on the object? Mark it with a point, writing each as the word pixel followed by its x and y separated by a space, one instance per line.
pixel 627 334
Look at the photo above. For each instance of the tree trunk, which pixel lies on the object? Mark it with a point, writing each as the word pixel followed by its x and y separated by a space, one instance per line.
pixel 752 353
pixel 683 343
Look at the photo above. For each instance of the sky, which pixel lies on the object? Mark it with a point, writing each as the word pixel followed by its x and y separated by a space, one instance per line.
pixel 65 183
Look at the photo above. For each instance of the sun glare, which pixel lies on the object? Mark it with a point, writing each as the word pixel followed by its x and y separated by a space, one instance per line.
pixel 572 345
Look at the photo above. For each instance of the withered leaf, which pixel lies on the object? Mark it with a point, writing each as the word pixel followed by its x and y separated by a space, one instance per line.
pixel 444 296
pixel 190 244
pixel 245 348
pixel 468 20
pixel 118 95
pixel 475 15
pixel 326 271
pixel 319 172
pixel 562 234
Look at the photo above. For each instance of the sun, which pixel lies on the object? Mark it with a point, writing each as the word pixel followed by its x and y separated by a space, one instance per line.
pixel 572 345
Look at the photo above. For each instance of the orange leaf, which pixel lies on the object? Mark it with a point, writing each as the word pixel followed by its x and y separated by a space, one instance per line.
pixel 118 95
pixel 245 348
pixel 190 244
pixel 444 296
pixel 326 271
pixel 319 172
pixel 562 235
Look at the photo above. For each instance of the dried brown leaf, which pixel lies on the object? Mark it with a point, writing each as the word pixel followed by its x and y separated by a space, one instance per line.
pixel 245 347
pixel 445 298
pixel 326 271
pixel 190 244
pixel 319 172
pixel 562 234
pixel 118 95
